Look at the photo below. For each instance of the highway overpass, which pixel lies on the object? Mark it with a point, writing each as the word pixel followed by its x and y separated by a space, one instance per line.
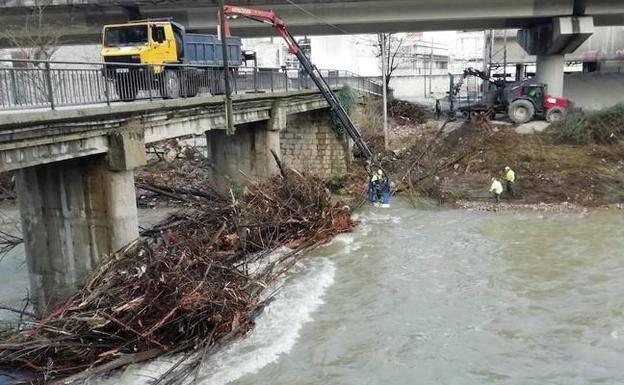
pixel 84 18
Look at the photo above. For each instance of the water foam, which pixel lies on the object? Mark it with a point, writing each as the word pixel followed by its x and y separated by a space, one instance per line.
pixel 277 329
pixel 276 332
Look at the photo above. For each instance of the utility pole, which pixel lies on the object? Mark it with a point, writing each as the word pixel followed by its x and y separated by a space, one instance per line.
pixel 384 72
pixel 431 68
pixel 229 115
pixel 505 55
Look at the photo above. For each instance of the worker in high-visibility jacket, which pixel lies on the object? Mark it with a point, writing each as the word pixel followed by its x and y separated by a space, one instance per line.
pixel 379 189
pixel 496 189
pixel 510 179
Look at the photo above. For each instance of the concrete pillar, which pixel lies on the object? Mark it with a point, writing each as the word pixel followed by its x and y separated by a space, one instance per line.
pixel 73 212
pixel 550 70
pixel 550 42
pixel 244 155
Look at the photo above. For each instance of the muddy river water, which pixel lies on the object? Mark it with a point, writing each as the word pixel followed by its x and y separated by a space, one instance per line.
pixel 437 297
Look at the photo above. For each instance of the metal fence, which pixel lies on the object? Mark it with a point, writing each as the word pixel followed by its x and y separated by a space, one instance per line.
pixel 32 84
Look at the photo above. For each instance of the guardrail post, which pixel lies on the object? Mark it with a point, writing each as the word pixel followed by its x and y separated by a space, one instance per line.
pixel 255 79
pixel 48 78
pixel 148 80
pixel 16 98
pixel 106 86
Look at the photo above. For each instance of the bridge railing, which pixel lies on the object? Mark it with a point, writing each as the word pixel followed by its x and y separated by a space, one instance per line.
pixel 32 84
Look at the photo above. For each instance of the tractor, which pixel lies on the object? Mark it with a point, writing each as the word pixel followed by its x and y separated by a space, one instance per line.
pixel 521 101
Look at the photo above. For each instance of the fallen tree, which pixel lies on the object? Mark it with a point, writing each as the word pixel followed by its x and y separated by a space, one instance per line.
pixel 193 282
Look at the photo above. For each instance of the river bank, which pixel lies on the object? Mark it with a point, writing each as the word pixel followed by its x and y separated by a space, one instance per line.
pixel 453 163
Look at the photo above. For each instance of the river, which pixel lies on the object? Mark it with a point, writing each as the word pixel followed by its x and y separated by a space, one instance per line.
pixel 441 297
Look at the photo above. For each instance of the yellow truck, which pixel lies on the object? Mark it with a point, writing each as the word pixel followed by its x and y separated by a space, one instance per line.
pixel 159 54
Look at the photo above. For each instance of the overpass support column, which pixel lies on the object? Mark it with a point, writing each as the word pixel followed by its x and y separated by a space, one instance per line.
pixel 74 212
pixel 550 70
pixel 550 42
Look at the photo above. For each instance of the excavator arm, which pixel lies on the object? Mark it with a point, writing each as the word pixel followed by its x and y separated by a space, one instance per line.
pixel 479 74
pixel 338 111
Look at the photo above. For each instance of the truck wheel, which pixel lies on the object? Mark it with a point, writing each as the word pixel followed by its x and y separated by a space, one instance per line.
pixel 170 84
pixel 555 114
pixel 126 89
pixel 521 111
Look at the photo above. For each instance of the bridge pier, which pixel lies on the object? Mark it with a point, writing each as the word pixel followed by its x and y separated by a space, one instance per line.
pixel 73 212
pixel 244 155
pixel 550 70
pixel 550 42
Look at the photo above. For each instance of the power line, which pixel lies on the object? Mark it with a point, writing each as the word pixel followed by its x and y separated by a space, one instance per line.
pixel 302 9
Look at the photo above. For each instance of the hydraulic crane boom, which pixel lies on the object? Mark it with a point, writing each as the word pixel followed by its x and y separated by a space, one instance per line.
pixel 479 74
pixel 341 115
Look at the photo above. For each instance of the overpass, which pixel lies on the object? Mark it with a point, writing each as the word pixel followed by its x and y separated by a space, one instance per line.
pixel 74 167
pixel 83 19
pixel 548 29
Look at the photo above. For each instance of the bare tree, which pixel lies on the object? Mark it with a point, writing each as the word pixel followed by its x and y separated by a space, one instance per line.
pixel 395 52
pixel 37 39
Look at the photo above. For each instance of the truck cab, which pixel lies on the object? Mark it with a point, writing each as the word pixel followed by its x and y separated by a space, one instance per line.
pixel 143 42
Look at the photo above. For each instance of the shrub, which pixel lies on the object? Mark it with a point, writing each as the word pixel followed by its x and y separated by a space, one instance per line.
pixel 603 127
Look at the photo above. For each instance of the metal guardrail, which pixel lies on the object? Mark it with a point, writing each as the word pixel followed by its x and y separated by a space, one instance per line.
pixel 32 84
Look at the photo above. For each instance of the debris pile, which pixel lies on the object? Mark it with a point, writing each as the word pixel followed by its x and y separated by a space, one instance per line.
pixel 404 112
pixel 192 283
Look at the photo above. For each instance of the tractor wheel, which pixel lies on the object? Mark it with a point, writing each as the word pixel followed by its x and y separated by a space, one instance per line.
pixel 169 84
pixel 521 111
pixel 555 114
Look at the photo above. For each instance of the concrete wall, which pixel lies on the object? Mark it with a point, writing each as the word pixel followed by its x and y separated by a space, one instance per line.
pixel 594 91
pixel 410 87
pixel 310 144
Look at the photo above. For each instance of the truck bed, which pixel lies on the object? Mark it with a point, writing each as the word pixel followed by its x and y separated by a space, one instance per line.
pixel 206 50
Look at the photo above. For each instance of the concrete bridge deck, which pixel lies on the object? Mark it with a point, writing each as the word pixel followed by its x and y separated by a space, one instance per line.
pixel 34 138
pixel 332 17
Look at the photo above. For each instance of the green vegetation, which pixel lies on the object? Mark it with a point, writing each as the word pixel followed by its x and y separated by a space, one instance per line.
pixel 601 127
pixel 348 98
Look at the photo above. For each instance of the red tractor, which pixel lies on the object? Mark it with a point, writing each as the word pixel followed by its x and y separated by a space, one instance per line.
pixel 528 99
pixel 521 101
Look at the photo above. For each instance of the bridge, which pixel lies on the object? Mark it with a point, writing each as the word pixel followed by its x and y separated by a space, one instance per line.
pixel 86 17
pixel 74 152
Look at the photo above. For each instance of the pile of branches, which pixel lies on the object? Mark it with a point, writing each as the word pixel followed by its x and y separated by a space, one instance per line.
pixel 182 184
pixel 408 113
pixel 193 283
